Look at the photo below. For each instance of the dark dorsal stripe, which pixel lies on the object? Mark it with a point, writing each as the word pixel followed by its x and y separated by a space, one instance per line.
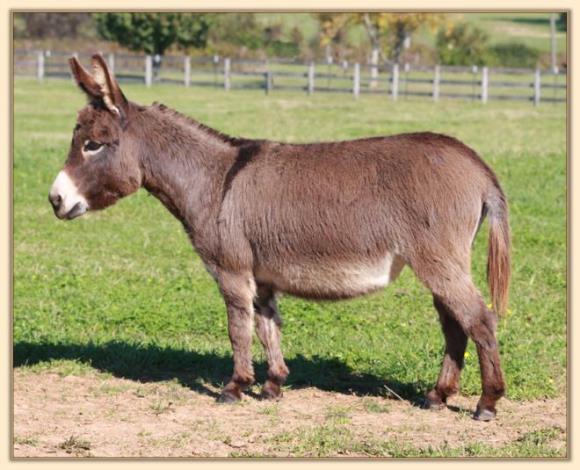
pixel 246 153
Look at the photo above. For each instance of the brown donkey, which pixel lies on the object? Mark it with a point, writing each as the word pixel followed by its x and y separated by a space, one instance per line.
pixel 321 221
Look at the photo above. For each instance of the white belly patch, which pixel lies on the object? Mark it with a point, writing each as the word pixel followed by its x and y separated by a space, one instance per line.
pixel 333 279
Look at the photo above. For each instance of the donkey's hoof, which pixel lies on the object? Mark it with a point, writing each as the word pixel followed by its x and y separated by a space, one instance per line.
pixel 228 397
pixel 269 395
pixel 483 414
pixel 271 391
pixel 433 402
pixel 433 405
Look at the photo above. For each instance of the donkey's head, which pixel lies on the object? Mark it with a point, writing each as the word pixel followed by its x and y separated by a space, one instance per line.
pixel 102 164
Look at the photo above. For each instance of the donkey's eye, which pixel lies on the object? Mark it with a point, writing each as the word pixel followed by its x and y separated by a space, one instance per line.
pixel 91 146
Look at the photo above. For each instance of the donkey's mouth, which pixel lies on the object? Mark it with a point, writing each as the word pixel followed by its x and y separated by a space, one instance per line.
pixel 78 209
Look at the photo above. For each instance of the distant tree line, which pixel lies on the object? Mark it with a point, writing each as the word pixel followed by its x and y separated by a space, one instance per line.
pixel 41 25
pixel 388 36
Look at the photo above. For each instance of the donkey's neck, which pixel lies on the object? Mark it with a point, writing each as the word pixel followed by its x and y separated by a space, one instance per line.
pixel 184 164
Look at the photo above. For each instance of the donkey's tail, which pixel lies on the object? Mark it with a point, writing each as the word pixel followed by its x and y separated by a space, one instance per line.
pixel 499 247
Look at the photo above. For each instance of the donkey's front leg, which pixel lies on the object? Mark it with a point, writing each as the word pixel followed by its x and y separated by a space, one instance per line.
pixel 239 290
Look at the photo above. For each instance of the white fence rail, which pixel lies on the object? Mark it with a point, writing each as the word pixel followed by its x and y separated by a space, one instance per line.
pixel 397 81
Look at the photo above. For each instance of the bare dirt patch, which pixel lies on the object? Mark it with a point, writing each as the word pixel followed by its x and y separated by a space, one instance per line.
pixel 103 416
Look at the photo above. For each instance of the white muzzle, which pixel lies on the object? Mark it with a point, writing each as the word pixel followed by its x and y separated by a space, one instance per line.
pixel 65 198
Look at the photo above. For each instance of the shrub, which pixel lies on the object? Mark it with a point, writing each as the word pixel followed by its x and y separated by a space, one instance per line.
pixel 419 53
pixel 462 44
pixel 283 49
pixel 514 54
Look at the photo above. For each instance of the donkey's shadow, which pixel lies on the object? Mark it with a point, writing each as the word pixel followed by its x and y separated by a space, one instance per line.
pixel 197 370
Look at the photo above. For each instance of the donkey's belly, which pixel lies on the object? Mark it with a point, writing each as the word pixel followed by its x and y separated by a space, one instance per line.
pixel 331 280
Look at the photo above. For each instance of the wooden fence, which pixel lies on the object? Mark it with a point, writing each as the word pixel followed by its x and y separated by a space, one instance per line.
pixel 397 81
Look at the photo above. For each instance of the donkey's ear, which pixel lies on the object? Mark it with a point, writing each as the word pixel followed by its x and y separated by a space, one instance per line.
pixel 111 93
pixel 84 79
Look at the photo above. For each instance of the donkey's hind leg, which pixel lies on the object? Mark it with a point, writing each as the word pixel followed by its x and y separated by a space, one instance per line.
pixel 455 344
pixel 456 294
pixel 268 323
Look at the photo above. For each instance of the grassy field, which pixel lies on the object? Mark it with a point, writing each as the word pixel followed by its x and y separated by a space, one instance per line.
pixel 122 292
pixel 531 29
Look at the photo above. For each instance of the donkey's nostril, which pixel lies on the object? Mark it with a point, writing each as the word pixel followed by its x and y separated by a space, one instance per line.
pixel 55 200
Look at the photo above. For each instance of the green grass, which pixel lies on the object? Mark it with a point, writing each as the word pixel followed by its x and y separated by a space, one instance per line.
pixel 122 291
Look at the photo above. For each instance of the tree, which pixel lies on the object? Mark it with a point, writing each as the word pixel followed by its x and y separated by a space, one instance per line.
pixel 333 27
pixel 386 31
pixel 391 30
pixel 277 44
pixel 463 44
pixel 236 29
pixel 40 25
pixel 296 36
pixel 154 33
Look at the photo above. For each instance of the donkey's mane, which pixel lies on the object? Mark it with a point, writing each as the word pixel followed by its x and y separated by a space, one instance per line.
pixel 225 138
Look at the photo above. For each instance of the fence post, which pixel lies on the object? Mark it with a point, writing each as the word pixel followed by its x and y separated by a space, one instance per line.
pixel 484 84
pixel 227 65
pixel 111 62
pixel 474 69
pixel 436 80
pixel 148 70
pixel 187 71
pixel 395 82
pixel 406 69
pixel 356 80
pixel 537 87
pixel 311 78
pixel 40 65
pixel 269 84
pixel 374 83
